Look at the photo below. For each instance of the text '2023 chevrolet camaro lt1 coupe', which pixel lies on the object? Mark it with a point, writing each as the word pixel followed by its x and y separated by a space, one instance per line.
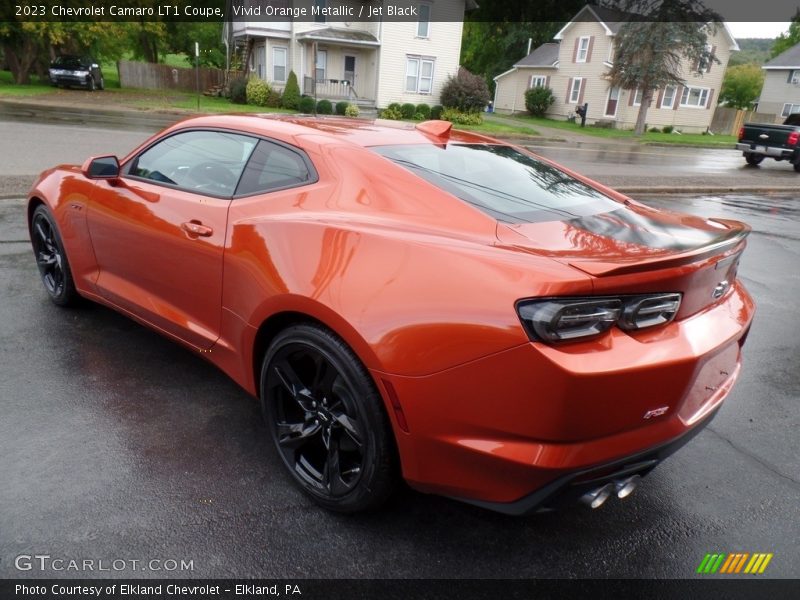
pixel 412 301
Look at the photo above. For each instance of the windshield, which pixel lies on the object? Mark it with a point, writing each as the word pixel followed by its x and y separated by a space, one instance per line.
pixel 510 186
pixel 69 62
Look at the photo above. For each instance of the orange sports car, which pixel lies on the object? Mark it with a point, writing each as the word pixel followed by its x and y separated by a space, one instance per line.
pixel 412 300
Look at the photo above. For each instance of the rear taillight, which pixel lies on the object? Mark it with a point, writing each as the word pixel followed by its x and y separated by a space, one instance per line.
pixel 741 133
pixel 562 319
pixel 793 138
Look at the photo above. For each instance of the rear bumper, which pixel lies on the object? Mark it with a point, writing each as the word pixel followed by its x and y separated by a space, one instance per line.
pixel 772 151
pixel 569 488
pixel 511 431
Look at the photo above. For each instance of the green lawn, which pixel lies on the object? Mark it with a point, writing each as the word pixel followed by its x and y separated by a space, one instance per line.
pixel 208 104
pixel 35 88
pixel 501 129
pixel 648 137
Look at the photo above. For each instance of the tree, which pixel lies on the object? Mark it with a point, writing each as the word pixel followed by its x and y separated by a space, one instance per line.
pixel 291 93
pixel 786 40
pixel 742 86
pixel 651 53
pixel 181 38
pixel 466 92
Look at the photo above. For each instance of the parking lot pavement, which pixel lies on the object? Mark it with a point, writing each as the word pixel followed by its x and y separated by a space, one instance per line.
pixel 117 444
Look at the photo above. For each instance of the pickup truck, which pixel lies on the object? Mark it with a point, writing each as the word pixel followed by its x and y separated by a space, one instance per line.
pixel 758 141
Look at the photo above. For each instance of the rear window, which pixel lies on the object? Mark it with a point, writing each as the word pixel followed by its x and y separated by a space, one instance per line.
pixel 508 185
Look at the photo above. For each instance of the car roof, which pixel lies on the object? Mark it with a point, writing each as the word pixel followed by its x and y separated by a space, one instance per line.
pixel 360 132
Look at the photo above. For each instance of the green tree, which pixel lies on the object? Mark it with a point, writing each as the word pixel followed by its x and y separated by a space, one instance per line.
pixel 786 40
pixel 291 93
pixel 181 38
pixel 742 86
pixel 650 54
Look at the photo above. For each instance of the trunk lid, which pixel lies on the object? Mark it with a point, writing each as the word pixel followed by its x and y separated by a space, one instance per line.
pixel 762 134
pixel 635 249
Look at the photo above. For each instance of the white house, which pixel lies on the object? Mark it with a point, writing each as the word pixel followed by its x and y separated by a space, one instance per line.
pixel 780 94
pixel 575 68
pixel 373 63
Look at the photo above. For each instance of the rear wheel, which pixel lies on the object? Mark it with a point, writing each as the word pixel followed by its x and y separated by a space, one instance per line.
pixel 102 84
pixel 753 159
pixel 51 258
pixel 797 167
pixel 327 420
pixel 90 84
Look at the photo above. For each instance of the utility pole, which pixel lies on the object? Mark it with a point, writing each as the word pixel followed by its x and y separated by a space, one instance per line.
pixel 197 72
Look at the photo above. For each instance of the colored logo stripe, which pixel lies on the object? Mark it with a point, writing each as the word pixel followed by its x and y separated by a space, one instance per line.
pixel 734 563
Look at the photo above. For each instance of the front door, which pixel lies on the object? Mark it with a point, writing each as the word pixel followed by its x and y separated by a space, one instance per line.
pixel 613 100
pixel 159 232
pixel 350 70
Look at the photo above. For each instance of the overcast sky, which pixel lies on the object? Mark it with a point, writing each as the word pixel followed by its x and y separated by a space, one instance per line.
pixel 757 30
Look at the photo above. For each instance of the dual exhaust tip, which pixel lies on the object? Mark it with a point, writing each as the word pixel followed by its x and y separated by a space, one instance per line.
pixel 621 487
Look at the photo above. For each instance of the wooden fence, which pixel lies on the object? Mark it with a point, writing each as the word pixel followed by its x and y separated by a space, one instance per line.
pixel 163 77
pixel 727 121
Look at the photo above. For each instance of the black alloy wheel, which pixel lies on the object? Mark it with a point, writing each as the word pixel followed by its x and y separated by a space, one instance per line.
pixel 327 420
pixel 51 258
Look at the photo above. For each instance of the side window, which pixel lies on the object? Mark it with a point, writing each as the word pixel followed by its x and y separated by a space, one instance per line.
pixel 274 167
pixel 207 162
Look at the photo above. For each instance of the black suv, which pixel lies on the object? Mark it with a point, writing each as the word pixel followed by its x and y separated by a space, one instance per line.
pixel 79 71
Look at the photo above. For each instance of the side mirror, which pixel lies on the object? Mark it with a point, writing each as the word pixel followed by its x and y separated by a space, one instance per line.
pixel 95 66
pixel 101 167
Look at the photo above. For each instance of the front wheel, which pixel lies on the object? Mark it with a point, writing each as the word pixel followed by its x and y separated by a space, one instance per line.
pixel 797 167
pixel 51 258
pixel 90 84
pixel 102 84
pixel 753 159
pixel 327 420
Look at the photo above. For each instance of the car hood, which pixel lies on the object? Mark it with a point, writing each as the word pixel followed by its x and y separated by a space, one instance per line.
pixel 632 237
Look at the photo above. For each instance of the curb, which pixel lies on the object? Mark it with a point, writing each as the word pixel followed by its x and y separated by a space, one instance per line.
pixel 707 189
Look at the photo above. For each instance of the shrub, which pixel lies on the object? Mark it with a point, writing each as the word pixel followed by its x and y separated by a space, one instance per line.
pixel 424 110
pixel 538 99
pixel 655 130
pixel 408 110
pixel 436 112
pixel 238 90
pixel 324 107
pixel 305 105
pixel 667 129
pixel 274 99
pixel 257 91
pixel 351 110
pixel 419 117
pixel 461 117
pixel 341 107
pixel 291 93
pixel 391 113
pixel 465 91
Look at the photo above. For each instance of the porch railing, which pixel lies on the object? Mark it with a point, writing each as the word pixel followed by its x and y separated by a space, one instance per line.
pixel 329 88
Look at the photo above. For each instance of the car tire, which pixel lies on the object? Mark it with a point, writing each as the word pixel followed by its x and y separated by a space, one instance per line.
pixel 102 84
pixel 753 159
pixel 51 259
pixel 90 84
pixel 797 167
pixel 327 420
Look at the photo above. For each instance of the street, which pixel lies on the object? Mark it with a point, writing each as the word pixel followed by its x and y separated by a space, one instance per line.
pixel 118 444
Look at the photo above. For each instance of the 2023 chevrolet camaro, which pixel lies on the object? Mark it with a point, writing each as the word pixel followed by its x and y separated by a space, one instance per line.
pixel 412 300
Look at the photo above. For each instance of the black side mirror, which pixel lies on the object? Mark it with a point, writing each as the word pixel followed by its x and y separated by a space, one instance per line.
pixel 101 167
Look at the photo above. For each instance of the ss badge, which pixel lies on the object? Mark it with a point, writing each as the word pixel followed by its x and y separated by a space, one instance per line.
pixel 656 412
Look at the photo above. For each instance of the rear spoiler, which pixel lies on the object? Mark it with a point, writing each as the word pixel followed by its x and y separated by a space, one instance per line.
pixel 730 244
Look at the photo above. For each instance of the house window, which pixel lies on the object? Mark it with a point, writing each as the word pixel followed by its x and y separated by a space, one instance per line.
pixel 424 23
pixel 575 90
pixel 704 64
pixel 321 65
pixel 316 10
pixel 419 75
pixel 668 99
pixel 279 64
pixel 610 52
pixel 538 81
pixel 790 109
pixel 583 49
pixel 794 77
pixel 637 97
pixel 694 97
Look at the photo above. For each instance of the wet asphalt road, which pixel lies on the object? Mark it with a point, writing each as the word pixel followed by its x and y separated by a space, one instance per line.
pixel 117 444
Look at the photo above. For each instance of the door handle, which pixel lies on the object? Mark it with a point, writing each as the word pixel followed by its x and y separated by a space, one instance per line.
pixel 196 228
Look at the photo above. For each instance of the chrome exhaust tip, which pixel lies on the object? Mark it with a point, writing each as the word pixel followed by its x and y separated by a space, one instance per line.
pixel 625 487
pixel 596 497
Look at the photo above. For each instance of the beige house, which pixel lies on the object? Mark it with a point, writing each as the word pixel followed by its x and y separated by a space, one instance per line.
pixel 781 92
pixel 575 66
pixel 371 63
